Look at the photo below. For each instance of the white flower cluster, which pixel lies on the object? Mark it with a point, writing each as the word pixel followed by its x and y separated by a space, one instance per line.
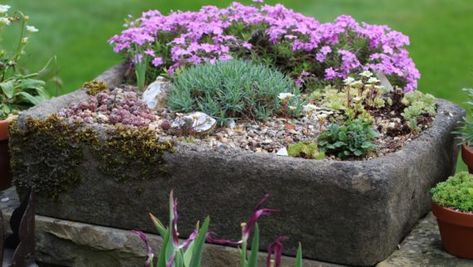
pixel 4 20
pixel 285 96
pixel 366 78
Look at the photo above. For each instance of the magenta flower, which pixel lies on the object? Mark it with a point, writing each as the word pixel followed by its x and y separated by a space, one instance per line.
pixel 157 61
pixel 247 227
pixel 149 250
pixel 258 212
pixel 174 232
pixel 175 216
pixel 212 238
pixel 275 250
pixel 208 35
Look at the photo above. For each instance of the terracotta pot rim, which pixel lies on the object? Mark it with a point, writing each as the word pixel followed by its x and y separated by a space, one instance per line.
pixel 4 129
pixel 453 210
pixel 467 147
pixel 453 216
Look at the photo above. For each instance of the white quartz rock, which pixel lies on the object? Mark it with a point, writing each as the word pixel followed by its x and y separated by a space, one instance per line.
pixel 156 93
pixel 195 122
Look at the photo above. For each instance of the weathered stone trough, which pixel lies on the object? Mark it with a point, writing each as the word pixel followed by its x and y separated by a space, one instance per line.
pixel 349 212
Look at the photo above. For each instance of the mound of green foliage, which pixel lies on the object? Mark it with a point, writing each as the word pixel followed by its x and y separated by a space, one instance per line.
pixel 418 104
pixel 305 150
pixel 347 140
pixel 234 89
pixel 456 192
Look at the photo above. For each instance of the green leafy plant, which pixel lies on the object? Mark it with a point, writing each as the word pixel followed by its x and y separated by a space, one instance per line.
pixel 188 253
pixel 350 139
pixel 173 252
pixel 466 130
pixel 456 192
pixel 305 150
pixel 361 92
pixel 234 89
pixel 18 91
pixel 417 104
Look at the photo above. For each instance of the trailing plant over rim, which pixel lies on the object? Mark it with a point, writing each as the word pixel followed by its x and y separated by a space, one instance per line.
pixel 310 52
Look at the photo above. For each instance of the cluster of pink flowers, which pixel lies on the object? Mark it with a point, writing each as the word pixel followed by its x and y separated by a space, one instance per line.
pixel 111 107
pixel 211 34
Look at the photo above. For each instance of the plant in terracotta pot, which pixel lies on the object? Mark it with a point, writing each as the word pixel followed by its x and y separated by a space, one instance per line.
pixel 453 207
pixel 466 134
pixel 18 91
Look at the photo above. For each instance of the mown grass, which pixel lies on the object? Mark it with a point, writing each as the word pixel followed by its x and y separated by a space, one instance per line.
pixel 76 31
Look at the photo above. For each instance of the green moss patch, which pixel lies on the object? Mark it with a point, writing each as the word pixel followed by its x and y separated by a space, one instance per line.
pixel 48 154
pixel 94 87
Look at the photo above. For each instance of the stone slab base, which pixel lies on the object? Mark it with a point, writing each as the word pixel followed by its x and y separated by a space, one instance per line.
pixel 67 243
pixel 75 244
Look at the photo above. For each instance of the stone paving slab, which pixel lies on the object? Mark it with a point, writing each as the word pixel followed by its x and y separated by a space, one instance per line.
pixel 69 243
pixel 423 248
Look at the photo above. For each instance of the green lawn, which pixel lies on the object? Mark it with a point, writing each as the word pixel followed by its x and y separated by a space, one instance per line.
pixel 76 31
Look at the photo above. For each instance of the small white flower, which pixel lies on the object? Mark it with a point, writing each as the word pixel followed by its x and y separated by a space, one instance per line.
pixel 373 80
pixel 366 74
pixel 357 84
pixel 24 40
pixel 309 108
pixel 284 96
pixel 4 21
pixel 292 108
pixel 4 8
pixel 31 28
pixel 349 81
pixel 380 87
pixel 358 99
pixel 322 116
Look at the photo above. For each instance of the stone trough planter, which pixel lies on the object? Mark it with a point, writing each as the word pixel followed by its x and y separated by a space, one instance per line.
pixel 348 212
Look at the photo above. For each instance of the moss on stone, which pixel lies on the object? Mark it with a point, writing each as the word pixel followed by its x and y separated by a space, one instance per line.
pixel 94 87
pixel 305 150
pixel 47 155
pixel 132 153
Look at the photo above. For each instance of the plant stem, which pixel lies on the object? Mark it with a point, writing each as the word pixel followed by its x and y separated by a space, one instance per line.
pixel 22 34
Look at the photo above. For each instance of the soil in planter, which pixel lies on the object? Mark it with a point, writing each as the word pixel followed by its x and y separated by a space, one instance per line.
pixel 123 106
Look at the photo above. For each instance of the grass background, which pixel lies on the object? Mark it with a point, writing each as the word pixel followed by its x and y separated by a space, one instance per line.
pixel 76 31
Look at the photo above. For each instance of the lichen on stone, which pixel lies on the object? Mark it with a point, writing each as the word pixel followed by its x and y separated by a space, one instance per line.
pixel 49 155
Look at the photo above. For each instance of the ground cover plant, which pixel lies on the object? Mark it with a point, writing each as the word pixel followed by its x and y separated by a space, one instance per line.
pixel 300 46
pixel 226 78
pixel 456 192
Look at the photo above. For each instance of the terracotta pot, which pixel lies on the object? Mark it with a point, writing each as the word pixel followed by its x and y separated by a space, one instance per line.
pixel 467 156
pixel 5 176
pixel 456 231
